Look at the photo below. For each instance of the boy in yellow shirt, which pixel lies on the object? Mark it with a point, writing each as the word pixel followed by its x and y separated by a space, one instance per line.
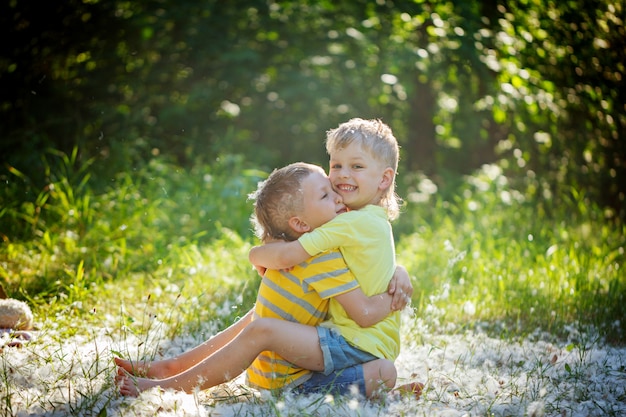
pixel 294 200
pixel 364 158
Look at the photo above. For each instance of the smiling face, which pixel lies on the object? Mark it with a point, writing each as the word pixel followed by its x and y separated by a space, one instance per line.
pixel 358 176
pixel 364 159
pixel 321 202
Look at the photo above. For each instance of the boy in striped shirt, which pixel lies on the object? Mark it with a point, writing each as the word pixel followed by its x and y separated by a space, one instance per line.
pixel 276 341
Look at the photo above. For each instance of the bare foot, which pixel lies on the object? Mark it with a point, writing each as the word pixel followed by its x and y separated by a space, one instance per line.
pixel 147 369
pixel 22 334
pixel 135 369
pixel 413 388
pixel 130 385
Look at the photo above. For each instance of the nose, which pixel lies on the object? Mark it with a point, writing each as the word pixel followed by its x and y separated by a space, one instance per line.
pixel 338 199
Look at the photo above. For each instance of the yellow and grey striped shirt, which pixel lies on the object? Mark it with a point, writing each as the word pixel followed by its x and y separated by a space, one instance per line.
pixel 300 296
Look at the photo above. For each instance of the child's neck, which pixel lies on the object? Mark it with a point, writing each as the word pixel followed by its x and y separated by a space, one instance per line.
pixel 360 207
pixel 376 201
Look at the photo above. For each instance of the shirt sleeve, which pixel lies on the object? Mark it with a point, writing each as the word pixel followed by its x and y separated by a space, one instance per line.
pixel 338 232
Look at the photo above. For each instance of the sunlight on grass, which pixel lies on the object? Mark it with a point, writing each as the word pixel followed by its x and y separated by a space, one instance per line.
pixel 495 264
pixel 508 305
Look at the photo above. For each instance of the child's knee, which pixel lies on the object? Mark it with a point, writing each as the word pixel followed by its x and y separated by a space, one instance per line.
pixel 388 373
pixel 262 327
pixel 381 372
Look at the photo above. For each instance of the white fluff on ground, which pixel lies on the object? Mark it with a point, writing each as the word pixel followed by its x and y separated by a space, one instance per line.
pixel 467 373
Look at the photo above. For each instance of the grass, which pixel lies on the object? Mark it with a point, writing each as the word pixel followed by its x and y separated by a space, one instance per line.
pixel 154 261
pixel 490 259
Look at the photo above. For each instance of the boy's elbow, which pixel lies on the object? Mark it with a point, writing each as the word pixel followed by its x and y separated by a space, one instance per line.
pixel 255 257
pixel 251 256
pixel 365 320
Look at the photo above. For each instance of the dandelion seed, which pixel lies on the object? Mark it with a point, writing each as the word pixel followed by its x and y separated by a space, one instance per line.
pixel 353 404
pixel 445 293
pixel 535 409
pixel 551 250
pixel 469 308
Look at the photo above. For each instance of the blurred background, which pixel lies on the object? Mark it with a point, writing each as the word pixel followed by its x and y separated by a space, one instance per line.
pixel 533 87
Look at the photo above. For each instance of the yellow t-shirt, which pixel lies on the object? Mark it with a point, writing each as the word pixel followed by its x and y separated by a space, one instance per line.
pixel 300 296
pixel 365 239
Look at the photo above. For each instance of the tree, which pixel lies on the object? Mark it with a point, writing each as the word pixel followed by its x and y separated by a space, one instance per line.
pixel 462 83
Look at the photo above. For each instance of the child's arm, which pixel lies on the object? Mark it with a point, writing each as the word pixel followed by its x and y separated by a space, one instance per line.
pixel 367 311
pixel 278 255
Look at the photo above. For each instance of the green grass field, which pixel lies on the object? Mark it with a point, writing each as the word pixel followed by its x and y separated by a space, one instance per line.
pixel 166 247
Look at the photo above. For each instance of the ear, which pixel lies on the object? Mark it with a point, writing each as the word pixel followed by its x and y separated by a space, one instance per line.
pixel 298 225
pixel 387 179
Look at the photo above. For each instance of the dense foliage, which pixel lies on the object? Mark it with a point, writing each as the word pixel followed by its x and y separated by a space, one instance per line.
pixel 537 86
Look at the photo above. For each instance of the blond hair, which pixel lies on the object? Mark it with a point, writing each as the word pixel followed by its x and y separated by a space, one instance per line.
pixel 279 198
pixel 378 140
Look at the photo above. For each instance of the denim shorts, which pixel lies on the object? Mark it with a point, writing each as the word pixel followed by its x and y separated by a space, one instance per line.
pixel 343 366
pixel 341 382
pixel 338 353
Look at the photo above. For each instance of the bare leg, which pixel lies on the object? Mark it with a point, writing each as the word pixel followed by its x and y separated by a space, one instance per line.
pixel 379 374
pixel 297 343
pixel 173 366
